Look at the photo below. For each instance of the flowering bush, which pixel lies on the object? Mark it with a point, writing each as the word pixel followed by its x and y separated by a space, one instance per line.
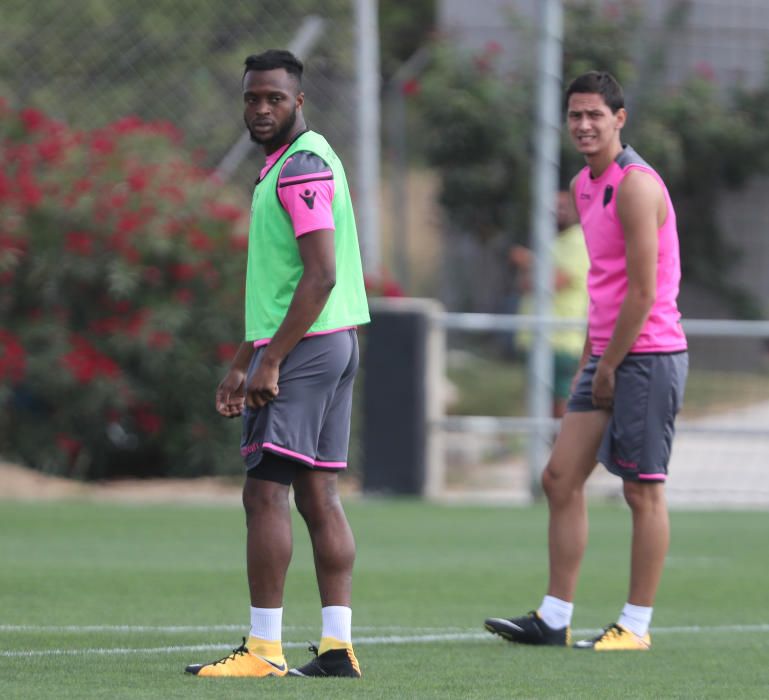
pixel 121 273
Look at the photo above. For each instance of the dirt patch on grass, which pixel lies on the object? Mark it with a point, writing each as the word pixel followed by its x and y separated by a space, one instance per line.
pixel 21 484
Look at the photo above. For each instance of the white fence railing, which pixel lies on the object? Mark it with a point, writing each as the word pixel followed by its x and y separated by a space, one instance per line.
pixel 720 458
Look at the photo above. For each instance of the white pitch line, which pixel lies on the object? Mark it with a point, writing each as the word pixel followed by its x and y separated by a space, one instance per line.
pixel 173 629
pixel 389 639
pixel 419 639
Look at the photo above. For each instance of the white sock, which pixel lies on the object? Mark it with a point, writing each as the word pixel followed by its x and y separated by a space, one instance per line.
pixel 267 623
pixel 337 622
pixel 555 613
pixel 636 618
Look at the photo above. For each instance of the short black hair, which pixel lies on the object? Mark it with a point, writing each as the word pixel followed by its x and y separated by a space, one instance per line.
pixel 273 59
pixel 601 83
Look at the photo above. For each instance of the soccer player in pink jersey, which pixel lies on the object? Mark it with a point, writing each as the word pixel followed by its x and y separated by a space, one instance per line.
pixel 630 384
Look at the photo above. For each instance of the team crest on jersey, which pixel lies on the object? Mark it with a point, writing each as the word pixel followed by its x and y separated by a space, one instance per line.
pixel 308 198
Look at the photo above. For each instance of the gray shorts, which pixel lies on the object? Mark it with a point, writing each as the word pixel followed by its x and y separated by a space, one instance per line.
pixel 648 393
pixel 309 420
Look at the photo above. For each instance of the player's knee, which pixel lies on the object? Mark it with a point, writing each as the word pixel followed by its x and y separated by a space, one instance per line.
pixel 558 485
pixel 553 483
pixel 260 496
pixel 315 504
pixel 643 496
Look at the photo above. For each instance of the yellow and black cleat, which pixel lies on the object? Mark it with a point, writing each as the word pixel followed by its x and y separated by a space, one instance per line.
pixel 241 663
pixel 528 629
pixel 616 638
pixel 334 663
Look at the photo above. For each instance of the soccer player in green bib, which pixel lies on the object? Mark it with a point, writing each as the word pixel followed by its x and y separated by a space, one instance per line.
pixel 291 379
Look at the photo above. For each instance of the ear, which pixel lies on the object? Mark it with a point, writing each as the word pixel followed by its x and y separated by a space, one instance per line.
pixel 621 115
pixel 299 100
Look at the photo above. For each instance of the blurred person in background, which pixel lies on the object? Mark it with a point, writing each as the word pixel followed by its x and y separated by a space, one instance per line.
pixel 569 301
pixel 292 378
pixel 622 408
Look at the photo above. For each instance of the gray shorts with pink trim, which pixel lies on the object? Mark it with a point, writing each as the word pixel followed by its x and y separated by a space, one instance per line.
pixel 309 420
pixel 648 393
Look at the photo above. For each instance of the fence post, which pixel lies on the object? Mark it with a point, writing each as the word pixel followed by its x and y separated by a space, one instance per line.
pixel 402 398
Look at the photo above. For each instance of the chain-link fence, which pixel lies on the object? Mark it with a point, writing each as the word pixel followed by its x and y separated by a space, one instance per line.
pixel 90 62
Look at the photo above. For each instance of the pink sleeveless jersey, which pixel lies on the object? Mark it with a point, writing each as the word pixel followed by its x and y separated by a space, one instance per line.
pixel 607 279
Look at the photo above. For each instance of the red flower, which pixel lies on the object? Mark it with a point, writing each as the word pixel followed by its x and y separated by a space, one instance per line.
pixel 105 326
pixel 138 180
pixel 102 143
pixel 147 420
pixel 127 125
pixel 135 324
pixel 51 150
pixel 79 242
pixel 34 119
pixel 226 351
pixel 121 307
pixel 86 363
pixel 183 296
pixel 13 358
pixel 153 275
pixel 129 222
pixel 160 340
pixel 182 272
pixel 68 445
pixel 704 69
pixel 411 87
pixel 5 186
pixel 239 243
pixel 172 193
pixel 31 194
pixel 199 241
pixel 224 211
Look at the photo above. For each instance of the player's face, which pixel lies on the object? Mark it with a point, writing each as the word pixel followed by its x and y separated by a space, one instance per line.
pixel 270 103
pixel 593 127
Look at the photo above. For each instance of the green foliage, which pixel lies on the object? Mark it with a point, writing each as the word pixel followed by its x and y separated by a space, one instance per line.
pixel 403 29
pixel 121 295
pixel 473 119
pixel 93 61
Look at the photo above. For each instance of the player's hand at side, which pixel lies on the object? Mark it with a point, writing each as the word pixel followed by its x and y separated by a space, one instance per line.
pixel 263 386
pixel 230 394
pixel 603 387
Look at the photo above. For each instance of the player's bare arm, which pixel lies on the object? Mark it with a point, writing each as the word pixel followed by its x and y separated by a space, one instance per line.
pixel 641 209
pixel 318 279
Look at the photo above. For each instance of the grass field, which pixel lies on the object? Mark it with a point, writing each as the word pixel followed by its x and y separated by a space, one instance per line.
pixel 111 601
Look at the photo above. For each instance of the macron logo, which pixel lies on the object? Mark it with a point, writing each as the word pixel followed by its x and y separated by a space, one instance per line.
pixel 308 198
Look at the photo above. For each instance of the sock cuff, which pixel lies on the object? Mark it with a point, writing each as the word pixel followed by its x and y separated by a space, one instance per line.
pixel 267 624
pixel 337 623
